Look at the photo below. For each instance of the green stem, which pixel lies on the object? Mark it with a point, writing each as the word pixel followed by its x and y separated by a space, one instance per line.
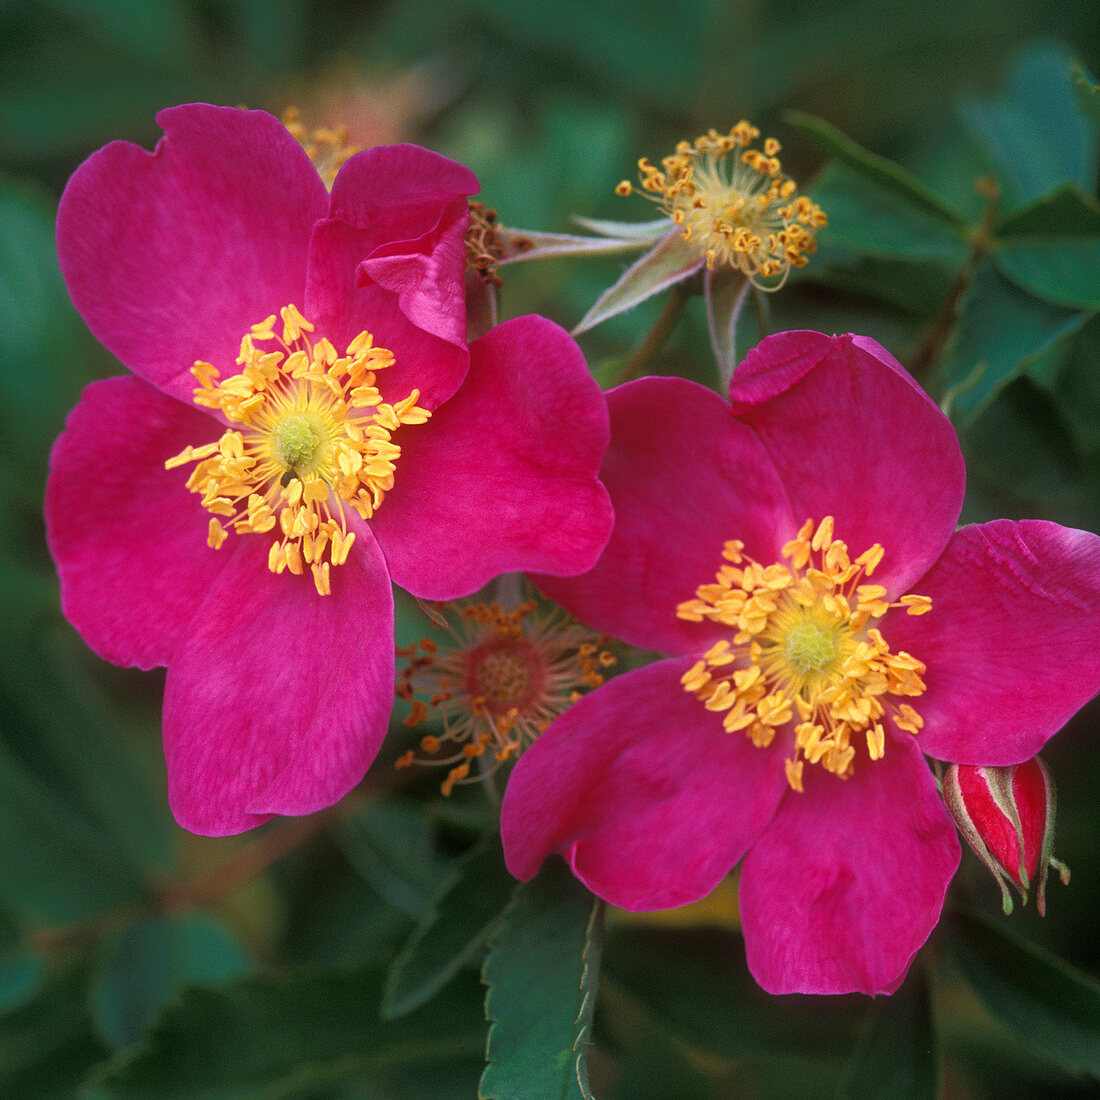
pixel 943 324
pixel 656 337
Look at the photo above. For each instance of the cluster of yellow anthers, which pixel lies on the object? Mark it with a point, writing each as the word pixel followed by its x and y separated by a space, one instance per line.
pixel 508 676
pixel 327 148
pixel 804 650
pixel 734 204
pixel 315 433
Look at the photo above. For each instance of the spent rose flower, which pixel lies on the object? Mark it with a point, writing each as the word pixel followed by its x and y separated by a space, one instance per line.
pixel 305 423
pixel 507 674
pixel 796 556
pixel 730 214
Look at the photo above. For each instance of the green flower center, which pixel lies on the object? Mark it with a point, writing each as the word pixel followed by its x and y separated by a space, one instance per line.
pixel 295 441
pixel 811 645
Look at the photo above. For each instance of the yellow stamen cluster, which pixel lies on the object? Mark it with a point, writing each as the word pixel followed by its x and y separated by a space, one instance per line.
pixel 508 676
pixel 734 204
pixel 805 649
pixel 327 148
pixel 314 433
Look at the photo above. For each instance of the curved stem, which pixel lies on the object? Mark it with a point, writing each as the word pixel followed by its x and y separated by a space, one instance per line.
pixel 655 338
pixel 724 293
pixel 939 331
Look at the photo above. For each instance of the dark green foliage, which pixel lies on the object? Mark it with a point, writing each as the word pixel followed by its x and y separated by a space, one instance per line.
pixel 542 972
pixel 454 931
pixel 1051 1007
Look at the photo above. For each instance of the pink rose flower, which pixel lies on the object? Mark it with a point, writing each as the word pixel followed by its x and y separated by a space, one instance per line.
pixel 328 452
pixel 787 729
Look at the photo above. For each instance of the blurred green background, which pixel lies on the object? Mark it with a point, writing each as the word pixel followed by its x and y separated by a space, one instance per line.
pixel 108 912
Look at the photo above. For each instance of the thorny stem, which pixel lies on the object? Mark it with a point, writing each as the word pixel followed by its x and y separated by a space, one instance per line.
pixel 655 338
pixel 981 240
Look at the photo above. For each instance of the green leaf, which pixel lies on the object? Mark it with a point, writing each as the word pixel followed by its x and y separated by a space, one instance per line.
pixel 883 173
pixel 1076 389
pixel 1000 330
pixel 21 970
pixel 1052 249
pixel 41 360
pixel 1034 134
pixel 288 1035
pixel 669 261
pixel 332 916
pixel 1064 213
pixel 457 926
pixel 56 865
pixel 1086 91
pixel 159 32
pixel 576 33
pixel 917 289
pixel 897 1054
pixel 1052 1007
pixel 390 843
pixel 1020 460
pixel 541 975
pixel 149 962
pixel 696 985
pixel 69 731
pixel 872 221
pixel 48 1045
pixel 21 973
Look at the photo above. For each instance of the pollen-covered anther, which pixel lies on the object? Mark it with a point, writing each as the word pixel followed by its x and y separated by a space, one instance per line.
pixel 734 204
pixel 805 647
pixel 311 433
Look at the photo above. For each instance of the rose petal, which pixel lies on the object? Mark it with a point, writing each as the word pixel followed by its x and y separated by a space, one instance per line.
pixel 503 477
pixel 278 699
pixel 684 477
pixel 391 259
pixel 172 256
pixel 849 879
pixel 642 791
pixel 852 436
pixel 397 192
pixel 1010 642
pixel 423 361
pixel 128 538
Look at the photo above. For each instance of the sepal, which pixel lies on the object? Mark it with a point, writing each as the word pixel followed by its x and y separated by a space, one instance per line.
pixel 527 244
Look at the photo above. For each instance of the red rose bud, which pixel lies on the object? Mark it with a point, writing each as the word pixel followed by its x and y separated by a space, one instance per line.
pixel 1007 817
